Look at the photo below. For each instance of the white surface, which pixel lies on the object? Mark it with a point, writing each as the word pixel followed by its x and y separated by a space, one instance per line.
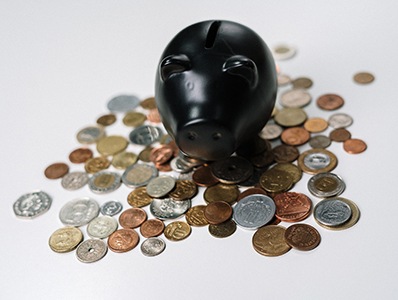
pixel 61 61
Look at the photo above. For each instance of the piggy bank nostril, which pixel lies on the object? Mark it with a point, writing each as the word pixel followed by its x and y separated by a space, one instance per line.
pixel 192 136
pixel 216 136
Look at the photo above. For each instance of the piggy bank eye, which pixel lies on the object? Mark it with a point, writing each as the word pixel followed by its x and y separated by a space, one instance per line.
pixel 174 64
pixel 242 66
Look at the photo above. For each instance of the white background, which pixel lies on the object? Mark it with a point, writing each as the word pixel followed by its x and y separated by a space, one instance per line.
pixel 61 61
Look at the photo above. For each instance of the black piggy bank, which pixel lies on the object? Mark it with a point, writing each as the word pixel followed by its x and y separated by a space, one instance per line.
pixel 215 88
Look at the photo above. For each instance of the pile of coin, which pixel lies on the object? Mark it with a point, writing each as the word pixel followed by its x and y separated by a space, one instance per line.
pixel 252 191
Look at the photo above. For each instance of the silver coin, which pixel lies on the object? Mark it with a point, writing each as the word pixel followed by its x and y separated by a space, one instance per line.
pixel 168 208
pixel 178 165
pixel 332 212
pixel 79 212
pixel 283 51
pixel 295 98
pixel 32 204
pixel 91 250
pixel 104 182
pixel 111 208
pixel 271 132
pixel 139 175
pixel 160 186
pixel 190 161
pixel 102 227
pixel 145 135
pixel 317 161
pixel 74 180
pixel 123 103
pixel 153 246
pixel 186 176
pixel 254 211
pixel 325 185
pixel 90 134
pixel 340 120
pixel 320 141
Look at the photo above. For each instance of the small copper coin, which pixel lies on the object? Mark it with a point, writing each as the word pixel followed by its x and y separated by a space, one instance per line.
pixel 154 116
pixel 123 240
pixel 339 135
pixel 302 237
pixel 195 216
pixel 218 212
pixel 292 207
pixel 232 170
pixel 203 176
pixel 285 153
pixel 106 120
pixel 316 125
pixel 56 170
pixel 295 136
pixel 354 146
pixel 223 230
pixel 152 228
pixel 132 218
pixel 221 192
pixel 80 155
pixel 139 197
pixel 330 102
pixel 177 231
pixel 363 78
pixel 270 240
pixel 162 154
pixel 251 191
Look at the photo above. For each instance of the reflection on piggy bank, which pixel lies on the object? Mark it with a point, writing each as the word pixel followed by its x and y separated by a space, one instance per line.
pixel 215 88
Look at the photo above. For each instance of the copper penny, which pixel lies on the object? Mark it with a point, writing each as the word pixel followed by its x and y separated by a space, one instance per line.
pixel 339 135
pixel 154 116
pixel 330 102
pixel 123 240
pixel 106 120
pixel 56 170
pixel 152 228
pixel 184 189
pixel 218 212
pixel 295 136
pixel 132 217
pixel 80 155
pixel 354 146
pixel 285 153
pixel 363 78
pixel 292 207
pixel 302 237
pixel 251 191
pixel 164 167
pixel 270 240
pixel 316 125
pixel 162 154
pixel 203 176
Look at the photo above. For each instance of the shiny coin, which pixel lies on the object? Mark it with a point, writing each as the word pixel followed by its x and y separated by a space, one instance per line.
pixel 65 239
pixel 178 165
pixel 96 164
pixel 203 176
pixel 316 161
pixel 285 153
pixel 232 170
pixel 153 246
pixel 295 136
pixel 168 208
pixel 363 78
pixel 302 237
pixel 325 185
pixel 316 125
pixel 218 212
pixel 132 218
pixel 148 103
pixel 254 211
pixel 134 119
pixel 160 186
pixel 106 120
pixel 294 171
pixel 177 231
pixel 292 207
pixel 111 208
pixel 339 135
pixel 221 192
pixel 104 182
pixel 154 116
pixel 340 120
pixel 74 180
pixel 56 170
pixel 223 230
pixel 195 216
pixel 123 240
pixel 332 212
pixel 282 52
pixel 355 214
pixel 79 212
pixel 290 117
pixel 152 228
pixel 139 197
pixel 320 141
pixel 271 132
pixel 184 189
pixel 283 79
pixel 32 205
pixel 302 83
pixel 276 181
pixel 145 135
pixel 80 155
pixel 124 159
pixel 330 102
pixel 101 227
pixel 91 250
pixel 111 145
pixel 270 241
pixel 90 134
pixel 138 175
pixel 354 146
pixel 123 103
pixel 295 98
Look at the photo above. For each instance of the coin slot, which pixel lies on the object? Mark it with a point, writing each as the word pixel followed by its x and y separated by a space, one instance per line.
pixel 212 34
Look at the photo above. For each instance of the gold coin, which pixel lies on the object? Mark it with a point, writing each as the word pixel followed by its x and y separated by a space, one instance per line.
pixel 65 239
pixel 293 170
pixel 195 216
pixel 148 103
pixel 177 231
pixel 363 78
pixel 111 145
pixel 276 181
pixel 96 164
pixel 270 241
pixel 134 119
pixel 145 154
pixel 316 125
pixel 317 161
pixel 124 159
pixel 184 189
pixel 139 197
pixel 302 83
pixel 221 192
pixel 106 120
pixel 290 117
pixel 104 180
pixel 355 214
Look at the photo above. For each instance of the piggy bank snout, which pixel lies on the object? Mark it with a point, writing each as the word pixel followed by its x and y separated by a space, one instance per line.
pixel 206 140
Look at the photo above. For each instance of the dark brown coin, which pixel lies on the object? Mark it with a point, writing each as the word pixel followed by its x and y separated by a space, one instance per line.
pixel 221 192
pixel 292 207
pixel 295 136
pixel 184 189
pixel 151 228
pixel 218 212
pixel 106 120
pixel 251 191
pixel 330 102
pixel 56 170
pixel 302 237
pixel 123 240
pixel 204 177
pixel 354 146
pixel 232 170
pixel 80 155
pixel 223 230
pixel 263 160
pixel 340 135
pixel 285 153
pixel 132 218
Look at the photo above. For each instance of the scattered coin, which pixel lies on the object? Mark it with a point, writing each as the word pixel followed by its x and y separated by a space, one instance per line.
pixel 123 103
pixel 271 132
pixel 294 171
pixel 91 250
pixel 123 240
pixel 177 231
pixel 106 120
pixel 285 153
pixel 330 102
pixel 223 230
pixel 80 155
pixel 283 52
pixel 332 212
pixel 124 159
pixel 184 189
pixel 134 119
pixel 320 141
pixel 195 216
pixel 292 206
pixel 32 205
pixel 295 98
pixel 152 228
pixel 302 83
pixel 56 170
pixel 104 182
pixel 160 186
pixel 96 164
pixel 316 161
pixel 90 134
pixel 139 197
pixel 153 246
pixel 290 117
pixel 302 237
pixel 326 185
pixel 339 135
pixel 232 170
pixel 221 192
pixel 148 103
pixel 168 208
pixel 363 78
pixel 283 79
pixel 74 180
pixel 101 227
pixel 270 241
pixel 111 208
pixel 111 145
pixel 145 135
pixel 139 175
pixel 203 176
pixel 65 239
pixel 132 218
pixel 354 146
pixel 295 136
pixel 154 116
pixel 340 120
pixel 79 212
pixel 218 212
pixel 276 181
pixel 316 125
pixel 251 191
pixel 355 214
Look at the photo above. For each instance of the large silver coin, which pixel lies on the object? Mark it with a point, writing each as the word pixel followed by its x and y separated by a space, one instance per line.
pixel 102 227
pixel 91 250
pixel 90 134
pixel 79 212
pixel 111 208
pixel 145 135
pixel 31 205
pixel 332 212
pixel 74 180
pixel 325 185
pixel 254 211
pixel 123 103
pixel 153 246
pixel 160 186
pixel 139 175
pixel 104 182
pixel 340 120
pixel 168 208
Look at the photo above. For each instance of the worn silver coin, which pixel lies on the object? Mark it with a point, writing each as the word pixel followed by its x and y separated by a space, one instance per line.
pixel 102 227
pixel 178 165
pixel 332 212
pixel 160 186
pixel 340 120
pixel 91 250
pixel 139 175
pixel 123 103
pixel 153 246
pixel 271 132
pixel 90 134
pixel 104 182
pixel 326 185
pixel 295 98
pixel 79 212
pixel 145 135
pixel 111 208
pixel 254 211
pixel 32 205
pixel 320 141
pixel 168 208
pixel 74 180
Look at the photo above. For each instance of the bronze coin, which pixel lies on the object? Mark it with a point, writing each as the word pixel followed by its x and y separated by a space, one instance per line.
pixel 184 189
pixel 154 116
pixel 363 78
pixel 232 170
pixel 148 103
pixel 221 192
pixel 292 207
pixel 294 171
pixel 302 83
pixel 270 240
pixel 316 125
pixel 276 181
pixel 203 176
pixel 177 231
pixel 330 102
pixel 295 136
pixel 80 155
pixel 218 212
pixel 132 218
pixel 251 191
pixel 134 119
pixel 354 146
pixel 302 237
pixel 139 197
pixel 285 153
pixel 106 120
pixel 339 135
pixel 145 154
pixel 223 230
pixel 195 216
pixel 123 240
pixel 161 155
pixel 166 167
pixel 96 164
pixel 152 228
pixel 56 170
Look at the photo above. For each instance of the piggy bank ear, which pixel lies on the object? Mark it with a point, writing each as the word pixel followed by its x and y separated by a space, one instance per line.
pixel 174 64
pixel 242 66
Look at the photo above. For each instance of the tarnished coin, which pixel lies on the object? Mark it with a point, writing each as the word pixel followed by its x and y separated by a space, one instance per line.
pixel 292 207
pixel 271 132
pixel 223 230
pixel 124 159
pixel 160 186
pixel 168 208
pixel 295 98
pixel 363 77
pixel 152 228
pixel 123 240
pixel 132 218
pixel 295 136
pixel 148 103
pixel 80 155
pixel 74 180
pixel 290 117
pixel 276 181
pixel 111 208
pixel 270 241
pixel 184 189
pixel 123 103
pixel 354 146
pixel 320 141
pixel 302 237
pixel 326 185
pixel 153 246
pixel 302 83
pixel 56 170
pixel 101 227
pixel 285 153
pixel 316 161
pixel 355 214
pixel 145 135
pixel 262 160
pixel 65 239
pixel 96 164
pixel 139 197
pixel 218 212
pixel 134 119
pixel 221 192
pixel 232 170
pixel 339 135
pixel 90 134
pixel 79 212
pixel 332 212
pixel 144 155
pixel 177 231
pixel 203 176
pixel 294 171
pixel 138 175
pixel 104 182
pixel 330 101
pixel 283 52
pixel 32 205
pixel 316 125
pixel 195 216
pixel 110 145
pixel 106 120
pixel 91 250
pixel 340 120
